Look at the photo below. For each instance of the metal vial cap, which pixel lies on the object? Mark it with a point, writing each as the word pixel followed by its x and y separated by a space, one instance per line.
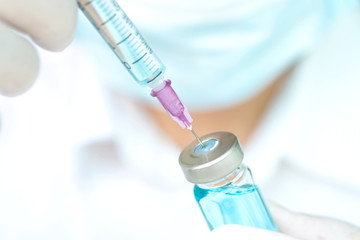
pixel 220 155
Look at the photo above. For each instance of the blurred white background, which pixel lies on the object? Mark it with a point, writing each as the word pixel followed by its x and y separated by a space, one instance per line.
pixel 61 176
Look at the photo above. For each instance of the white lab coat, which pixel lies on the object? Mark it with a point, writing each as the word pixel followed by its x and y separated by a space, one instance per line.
pixel 74 165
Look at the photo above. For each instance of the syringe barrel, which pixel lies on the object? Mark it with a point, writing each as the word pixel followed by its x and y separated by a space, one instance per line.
pixel 135 54
pixel 124 39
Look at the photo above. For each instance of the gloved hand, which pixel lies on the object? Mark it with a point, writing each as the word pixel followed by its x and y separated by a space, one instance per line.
pixel 49 23
pixel 293 226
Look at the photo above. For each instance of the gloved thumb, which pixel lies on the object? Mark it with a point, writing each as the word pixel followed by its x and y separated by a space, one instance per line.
pixel 305 226
pixel 232 231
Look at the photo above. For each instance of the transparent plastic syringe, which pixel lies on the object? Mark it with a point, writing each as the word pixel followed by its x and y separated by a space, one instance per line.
pixel 135 54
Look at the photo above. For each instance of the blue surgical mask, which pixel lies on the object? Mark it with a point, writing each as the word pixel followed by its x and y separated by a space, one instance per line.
pixel 219 53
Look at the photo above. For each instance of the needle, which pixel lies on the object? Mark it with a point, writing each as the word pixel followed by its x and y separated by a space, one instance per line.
pixel 196 136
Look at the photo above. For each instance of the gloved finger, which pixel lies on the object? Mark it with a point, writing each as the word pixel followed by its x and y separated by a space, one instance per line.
pixel 240 232
pixel 19 63
pixel 50 23
pixel 311 227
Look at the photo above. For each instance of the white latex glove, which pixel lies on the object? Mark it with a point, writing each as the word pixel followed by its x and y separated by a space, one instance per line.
pixel 293 226
pixel 49 23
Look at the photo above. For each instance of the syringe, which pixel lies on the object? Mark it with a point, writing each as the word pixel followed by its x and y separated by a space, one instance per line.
pixel 135 54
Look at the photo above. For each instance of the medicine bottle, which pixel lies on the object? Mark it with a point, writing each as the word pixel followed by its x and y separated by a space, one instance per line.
pixel 224 187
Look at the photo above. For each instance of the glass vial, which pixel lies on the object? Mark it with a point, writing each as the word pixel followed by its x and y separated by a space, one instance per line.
pixel 224 187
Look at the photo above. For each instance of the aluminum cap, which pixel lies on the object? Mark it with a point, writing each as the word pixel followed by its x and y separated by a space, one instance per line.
pixel 220 154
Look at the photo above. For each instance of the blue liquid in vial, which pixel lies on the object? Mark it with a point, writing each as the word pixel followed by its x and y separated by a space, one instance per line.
pixel 234 205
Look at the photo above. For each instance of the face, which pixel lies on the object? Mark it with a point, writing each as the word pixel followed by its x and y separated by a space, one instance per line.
pixel 218 54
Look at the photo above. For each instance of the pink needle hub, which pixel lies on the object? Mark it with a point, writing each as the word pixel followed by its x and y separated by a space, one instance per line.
pixel 172 104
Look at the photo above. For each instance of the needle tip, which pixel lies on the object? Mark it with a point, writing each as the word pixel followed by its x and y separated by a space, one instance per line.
pixel 196 136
